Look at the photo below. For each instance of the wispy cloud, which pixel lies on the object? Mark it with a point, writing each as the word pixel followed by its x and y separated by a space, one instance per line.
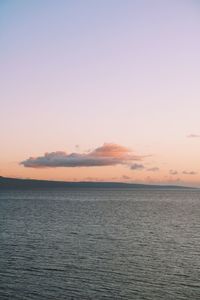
pixel 137 167
pixel 107 155
pixel 173 172
pixel 189 173
pixel 126 177
pixel 154 169
pixel 193 135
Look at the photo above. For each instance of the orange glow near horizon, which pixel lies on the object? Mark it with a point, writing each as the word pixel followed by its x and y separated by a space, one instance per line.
pixel 151 173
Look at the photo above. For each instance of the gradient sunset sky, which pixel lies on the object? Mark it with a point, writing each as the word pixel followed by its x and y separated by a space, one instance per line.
pixel 100 90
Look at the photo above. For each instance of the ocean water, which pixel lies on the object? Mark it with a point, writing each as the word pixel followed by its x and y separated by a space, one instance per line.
pixel 100 244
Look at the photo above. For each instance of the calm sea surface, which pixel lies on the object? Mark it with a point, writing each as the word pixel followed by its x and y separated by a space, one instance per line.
pixel 100 244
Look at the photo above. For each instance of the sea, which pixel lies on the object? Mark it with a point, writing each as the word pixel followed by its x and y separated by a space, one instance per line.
pixel 100 244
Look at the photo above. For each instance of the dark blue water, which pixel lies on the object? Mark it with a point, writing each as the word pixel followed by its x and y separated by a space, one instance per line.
pixel 100 244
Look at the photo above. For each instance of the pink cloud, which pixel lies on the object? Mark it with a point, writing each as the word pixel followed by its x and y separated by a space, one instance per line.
pixel 189 173
pixel 153 169
pixel 173 172
pixel 137 167
pixel 193 135
pixel 107 155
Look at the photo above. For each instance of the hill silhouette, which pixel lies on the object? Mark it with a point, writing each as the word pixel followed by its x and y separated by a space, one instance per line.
pixel 16 183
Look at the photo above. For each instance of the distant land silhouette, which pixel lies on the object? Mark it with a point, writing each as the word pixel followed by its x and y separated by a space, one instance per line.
pixel 16 183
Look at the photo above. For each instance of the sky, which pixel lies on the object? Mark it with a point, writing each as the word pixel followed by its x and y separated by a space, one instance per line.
pixel 100 90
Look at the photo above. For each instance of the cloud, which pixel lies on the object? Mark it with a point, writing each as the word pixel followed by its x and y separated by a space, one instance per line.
pixel 154 169
pixel 106 155
pixel 126 177
pixel 136 167
pixel 173 172
pixel 189 173
pixel 193 135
